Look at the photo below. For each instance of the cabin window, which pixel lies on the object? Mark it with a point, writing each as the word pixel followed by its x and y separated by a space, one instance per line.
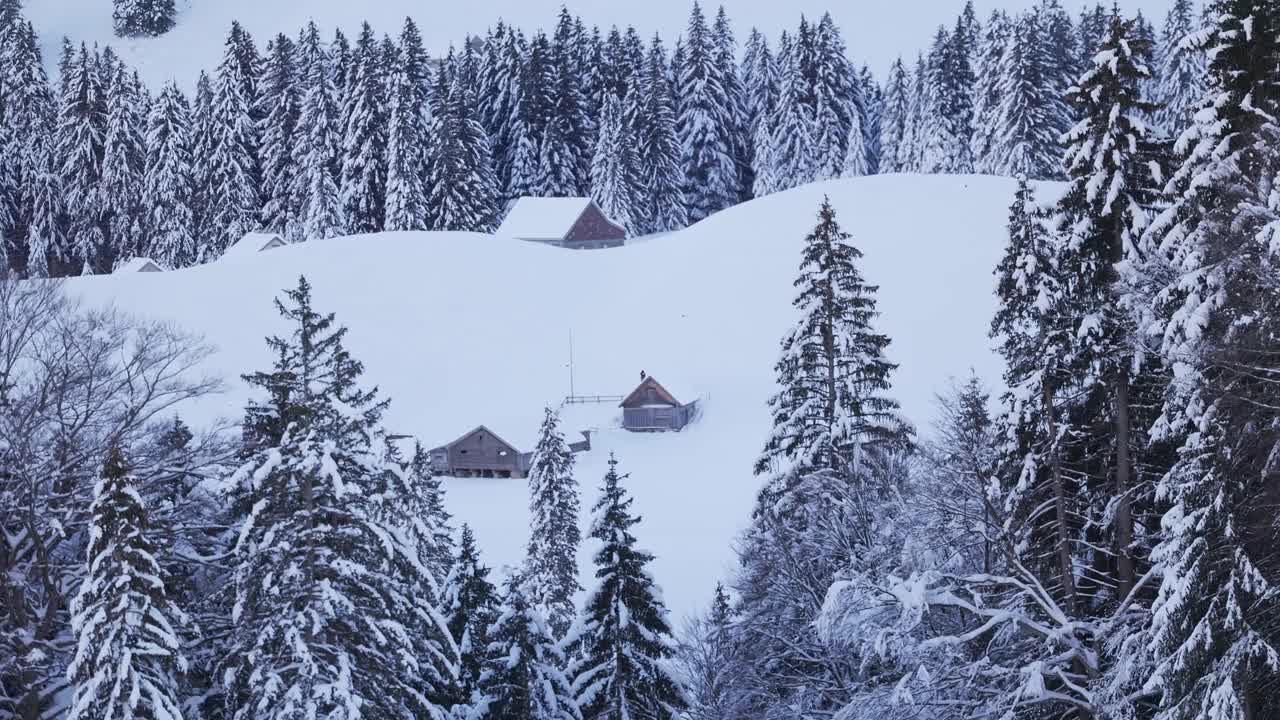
pixel 464 452
pixel 502 453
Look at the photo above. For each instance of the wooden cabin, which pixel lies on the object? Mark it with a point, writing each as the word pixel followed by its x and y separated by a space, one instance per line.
pixel 652 408
pixel 139 264
pixel 253 243
pixel 479 453
pixel 575 223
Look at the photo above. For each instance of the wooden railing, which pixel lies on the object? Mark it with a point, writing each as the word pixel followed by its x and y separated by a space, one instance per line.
pixel 592 399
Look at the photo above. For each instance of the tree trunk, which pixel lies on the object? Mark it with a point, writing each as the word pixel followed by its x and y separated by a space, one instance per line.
pixel 1124 513
pixel 1059 501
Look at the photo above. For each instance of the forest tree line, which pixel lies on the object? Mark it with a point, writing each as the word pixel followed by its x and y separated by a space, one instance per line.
pixel 313 136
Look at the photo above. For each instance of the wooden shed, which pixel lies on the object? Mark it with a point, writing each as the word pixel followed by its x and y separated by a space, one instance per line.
pixel 652 408
pixel 139 264
pixel 576 223
pixel 253 243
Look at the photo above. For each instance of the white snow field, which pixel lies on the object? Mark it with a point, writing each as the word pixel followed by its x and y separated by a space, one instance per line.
pixel 465 329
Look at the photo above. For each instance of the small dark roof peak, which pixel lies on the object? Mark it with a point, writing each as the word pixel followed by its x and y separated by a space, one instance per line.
pixel 650 382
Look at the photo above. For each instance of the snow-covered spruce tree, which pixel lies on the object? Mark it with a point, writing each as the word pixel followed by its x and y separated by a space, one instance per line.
pixel 363 167
pixel 911 149
pixel 706 141
pixel 936 141
pixel 432 523
pixel 836 97
pixel 710 664
pixel 281 98
pixel 335 612
pixel 614 174
pixel 81 134
pixel 229 198
pixel 316 146
pixel 1025 141
pixel 407 130
pixel 135 18
pixel 624 635
pixel 830 409
pixel 470 605
pixel 551 560
pixel 759 87
pixel 734 111
pixel 986 94
pixel 893 119
pixel 523 677
pixel 956 91
pixel 1213 645
pixel 28 111
pixel 126 627
pixel 1181 73
pixel 791 144
pixel 569 115
pixel 499 98
pixel 870 118
pixel 167 182
pixel 46 243
pixel 662 206
pixel 529 122
pixel 856 160
pixel 123 161
pixel 1100 220
pixel 462 193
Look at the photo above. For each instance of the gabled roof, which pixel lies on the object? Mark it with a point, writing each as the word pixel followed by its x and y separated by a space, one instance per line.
pixel 650 382
pixel 544 218
pixel 473 431
pixel 139 264
pixel 254 243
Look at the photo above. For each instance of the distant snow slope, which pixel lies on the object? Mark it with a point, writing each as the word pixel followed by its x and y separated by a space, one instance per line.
pixel 462 329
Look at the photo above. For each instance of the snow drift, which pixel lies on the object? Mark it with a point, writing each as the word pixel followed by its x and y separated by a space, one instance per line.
pixel 464 329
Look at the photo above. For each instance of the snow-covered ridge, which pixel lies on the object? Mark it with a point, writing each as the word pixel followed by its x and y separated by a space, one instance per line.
pixel 464 329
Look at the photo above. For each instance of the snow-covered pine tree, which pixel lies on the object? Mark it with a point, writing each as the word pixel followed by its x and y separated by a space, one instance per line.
pixel 915 132
pixel 462 193
pixel 1061 64
pixel 760 88
pixel 870 118
pixel 28 112
pixel 470 605
pixel 408 125
pixel 936 142
pixel 831 409
pixel 1100 219
pixel 837 98
pixel 706 141
pixel 123 162
pixel 523 677
pixel 281 98
pixel 1026 142
pixel 499 99
pixel 551 565
pixel 986 94
pixel 529 123
pixel 433 523
pixel 135 18
pixel 734 111
pixel 46 243
pixel 316 146
pixel 856 161
pixel 1213 646
pixel 229 199
pixel 335 612
pixel 1182 71
pixel 661 193
pixel 956 93
pixel 893 119
pixel 791 144
pixel 624 635
pixel 81 134
pixel 167 182
pixel 573 136
pixel 126 626
pixel 614 175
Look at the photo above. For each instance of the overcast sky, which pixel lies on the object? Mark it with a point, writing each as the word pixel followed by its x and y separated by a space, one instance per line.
pixel 876 31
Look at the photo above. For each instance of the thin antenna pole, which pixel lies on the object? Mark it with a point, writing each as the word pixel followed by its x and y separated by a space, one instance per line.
pixel 570 362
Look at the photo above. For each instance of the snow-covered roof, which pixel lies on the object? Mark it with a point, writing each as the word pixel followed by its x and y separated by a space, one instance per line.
pixel 253 243
pixel 139 264
pixel 543 218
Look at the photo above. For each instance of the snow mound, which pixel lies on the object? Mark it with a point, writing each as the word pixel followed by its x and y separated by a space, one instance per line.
pixel 464 329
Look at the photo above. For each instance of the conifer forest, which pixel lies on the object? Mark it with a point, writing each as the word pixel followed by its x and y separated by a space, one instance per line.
pixel 198 522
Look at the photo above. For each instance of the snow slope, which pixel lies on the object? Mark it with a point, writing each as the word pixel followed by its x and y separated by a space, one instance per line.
pixel 463 329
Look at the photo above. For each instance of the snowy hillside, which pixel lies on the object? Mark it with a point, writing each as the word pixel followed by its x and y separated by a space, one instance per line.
pixel 461 330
